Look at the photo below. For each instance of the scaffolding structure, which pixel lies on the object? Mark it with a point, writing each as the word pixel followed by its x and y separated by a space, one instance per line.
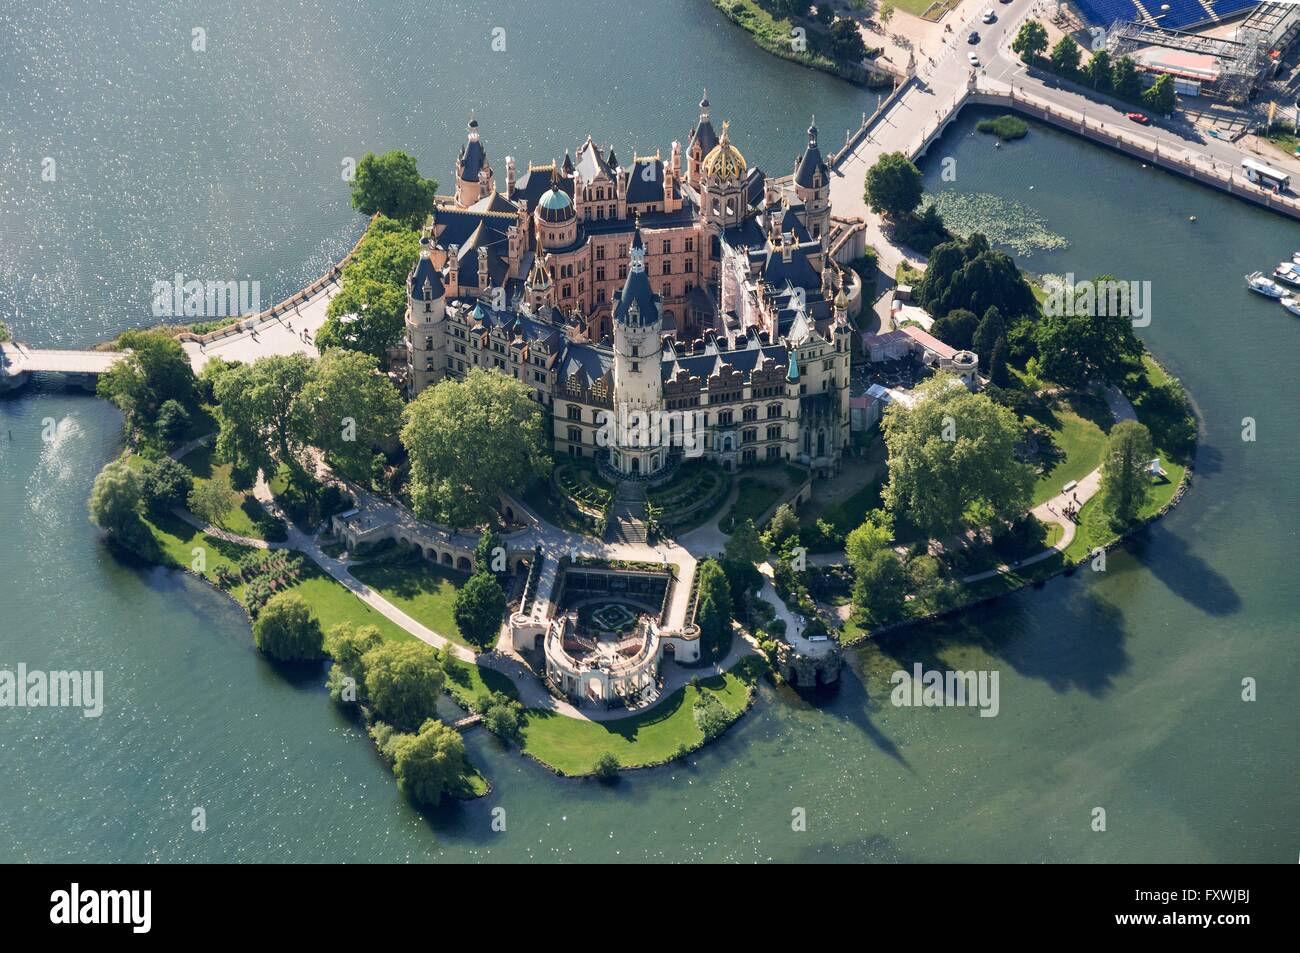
pixel 1245 62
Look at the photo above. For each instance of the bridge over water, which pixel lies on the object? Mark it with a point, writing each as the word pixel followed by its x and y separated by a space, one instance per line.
pixel 18 362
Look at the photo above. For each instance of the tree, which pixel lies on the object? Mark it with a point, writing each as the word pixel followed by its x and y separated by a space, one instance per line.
pixel 403 681
pixel 261 418
pixel 952 462
pixel 740 559
pixel 991 327
pixel 429 764
pixel 480 604
pixel 1160 97
pixel 167 483
pixel 364 316
pixel 956 328
pixel 868 539
pixel 1125 482
pixel 997 366
pixel 934 590
pixel 156 370
pixel 880 587
pixel 894 186
pixel 1030 41
pixel 470 440
pixel 606 767
pixel 784 524
pixel 392 186
pixel 1099 71
pixel 173 420
pixel 886 12
pixel 211 499
pixel 287 630
pixel 488 551
pixel 845 42
pixel 971 276
pixel 348 408
pixel 115 501
pixel 1125 79
pixel 1083 346
pixel 1066 55
pixel 715 607
pixel 348 647
pixel 501 716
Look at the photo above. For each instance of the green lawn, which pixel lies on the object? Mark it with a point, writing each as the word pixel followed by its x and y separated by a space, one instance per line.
pixel 757 490
pixel 425 592
pixel 571 746
pixel 1081 439
pixel 245 518
pixel 1094 528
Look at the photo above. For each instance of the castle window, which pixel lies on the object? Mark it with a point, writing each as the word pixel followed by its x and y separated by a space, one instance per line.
pixel 622 271
pixel 575 435
pixel 668 267
pixel 724 418
pixel 428 306
pixel 774 432
pixel 636 366
pixel 600 273
pixel 600 296
pixel 575 412
pixel 750 413
pixel 668 246
pixel 773 411
pixel 600 253
pixel 749 435
pixel 774 453
pixel 690 265
pixel 690 244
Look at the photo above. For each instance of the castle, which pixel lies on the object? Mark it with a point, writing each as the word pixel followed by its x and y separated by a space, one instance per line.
pixel 702 292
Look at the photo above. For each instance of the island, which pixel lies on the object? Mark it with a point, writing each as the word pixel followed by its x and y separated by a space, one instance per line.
pixel 595 447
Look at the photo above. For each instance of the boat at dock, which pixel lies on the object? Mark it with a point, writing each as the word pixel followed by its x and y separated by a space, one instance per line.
pixel 1256 282
pixel 1291 304
pixel 1288 272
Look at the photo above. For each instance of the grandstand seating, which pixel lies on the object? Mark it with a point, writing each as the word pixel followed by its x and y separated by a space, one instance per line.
pixel 1180 15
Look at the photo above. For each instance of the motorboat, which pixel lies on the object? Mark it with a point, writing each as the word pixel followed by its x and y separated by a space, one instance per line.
pixel 1288 272
pixel 1257 282
pixel 1292 305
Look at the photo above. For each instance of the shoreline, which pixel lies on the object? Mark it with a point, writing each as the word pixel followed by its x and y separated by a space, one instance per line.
pixel 860 76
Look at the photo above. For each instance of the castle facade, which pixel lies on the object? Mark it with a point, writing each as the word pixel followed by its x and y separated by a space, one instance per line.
pixel 694 290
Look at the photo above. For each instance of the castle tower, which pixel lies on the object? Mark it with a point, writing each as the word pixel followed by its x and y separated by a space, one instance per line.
pixel 701 142
pixel 474 177
pixel 722 183
pixel 638 387
pixel 426 323
pixel 538 287
pixel 812 186
pixel 556 220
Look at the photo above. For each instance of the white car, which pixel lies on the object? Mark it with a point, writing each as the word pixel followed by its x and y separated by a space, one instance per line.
pixel 974 60
pixel 988 16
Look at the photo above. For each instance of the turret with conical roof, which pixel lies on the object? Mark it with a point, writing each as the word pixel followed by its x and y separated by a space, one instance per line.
pixel 700 143
pixel 812 186
pixel 474 179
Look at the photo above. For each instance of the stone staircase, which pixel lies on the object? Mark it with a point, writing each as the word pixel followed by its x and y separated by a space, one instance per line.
pixel 627 516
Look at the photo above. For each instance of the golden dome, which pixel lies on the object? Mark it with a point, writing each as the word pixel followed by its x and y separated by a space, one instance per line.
pixel 724 160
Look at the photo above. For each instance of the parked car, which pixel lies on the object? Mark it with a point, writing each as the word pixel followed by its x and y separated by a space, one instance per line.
pixel 974 60
pixel 1140 118
pixel 973 38
pixel 988 16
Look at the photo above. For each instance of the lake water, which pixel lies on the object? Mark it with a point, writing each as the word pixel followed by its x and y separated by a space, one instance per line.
pixel 1118 690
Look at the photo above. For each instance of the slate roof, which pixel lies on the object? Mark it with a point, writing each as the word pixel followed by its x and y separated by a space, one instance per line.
pixel 811 162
